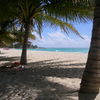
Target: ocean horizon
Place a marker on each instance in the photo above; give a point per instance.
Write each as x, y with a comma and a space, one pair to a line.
81, 50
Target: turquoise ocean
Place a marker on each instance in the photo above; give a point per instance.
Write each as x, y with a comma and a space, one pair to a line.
82, 50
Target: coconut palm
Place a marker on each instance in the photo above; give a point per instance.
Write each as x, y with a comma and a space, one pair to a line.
90, 84
9, 33
6, 35
32, 13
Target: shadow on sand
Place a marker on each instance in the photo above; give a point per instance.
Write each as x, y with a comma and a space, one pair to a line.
3, 58
32, 84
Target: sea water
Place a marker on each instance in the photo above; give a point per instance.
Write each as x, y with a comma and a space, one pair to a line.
82, 50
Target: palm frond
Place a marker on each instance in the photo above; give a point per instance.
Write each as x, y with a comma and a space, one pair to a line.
32, 36
38, 24
74, 10
63, 25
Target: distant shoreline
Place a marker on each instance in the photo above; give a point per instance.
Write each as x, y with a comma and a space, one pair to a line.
79, 50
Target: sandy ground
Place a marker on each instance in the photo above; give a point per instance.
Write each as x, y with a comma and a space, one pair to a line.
52, 76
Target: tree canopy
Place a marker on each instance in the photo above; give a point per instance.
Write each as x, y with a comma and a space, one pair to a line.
57, 12
29, 15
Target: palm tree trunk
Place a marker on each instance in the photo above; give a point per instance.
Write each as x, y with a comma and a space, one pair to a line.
23, 60
90, 85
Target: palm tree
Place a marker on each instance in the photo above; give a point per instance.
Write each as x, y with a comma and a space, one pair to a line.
43, 10
9, 33
32, 13
6, 36
90, 85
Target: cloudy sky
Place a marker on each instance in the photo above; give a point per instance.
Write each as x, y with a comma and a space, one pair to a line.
56, 38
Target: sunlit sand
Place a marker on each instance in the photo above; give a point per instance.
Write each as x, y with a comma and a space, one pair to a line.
51, 75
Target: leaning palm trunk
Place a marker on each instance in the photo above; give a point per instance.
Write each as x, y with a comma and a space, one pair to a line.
90, 84
23, 60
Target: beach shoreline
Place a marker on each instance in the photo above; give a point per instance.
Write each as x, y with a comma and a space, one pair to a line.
69, 50
45, 55
61, 72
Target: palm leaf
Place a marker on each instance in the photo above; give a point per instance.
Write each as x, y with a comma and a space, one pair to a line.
74, 10
63, 25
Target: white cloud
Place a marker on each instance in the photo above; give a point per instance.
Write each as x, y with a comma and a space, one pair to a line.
60, 40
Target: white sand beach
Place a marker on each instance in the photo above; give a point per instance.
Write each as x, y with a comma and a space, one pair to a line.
54, 76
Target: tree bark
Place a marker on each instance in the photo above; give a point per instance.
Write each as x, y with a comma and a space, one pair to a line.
23, 59
90, 84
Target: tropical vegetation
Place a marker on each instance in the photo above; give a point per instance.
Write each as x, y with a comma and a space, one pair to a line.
29, 15
10, 34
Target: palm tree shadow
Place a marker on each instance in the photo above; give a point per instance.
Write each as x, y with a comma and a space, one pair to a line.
4, 58
58, 69
8, 60
32, 84
1, 53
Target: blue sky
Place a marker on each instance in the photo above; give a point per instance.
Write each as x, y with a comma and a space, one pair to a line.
56, 38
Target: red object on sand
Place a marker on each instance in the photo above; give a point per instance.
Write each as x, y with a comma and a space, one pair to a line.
16, 64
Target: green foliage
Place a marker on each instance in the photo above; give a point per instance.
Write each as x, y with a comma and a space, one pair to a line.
53, 11
9, 33
17, 13
31, 14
